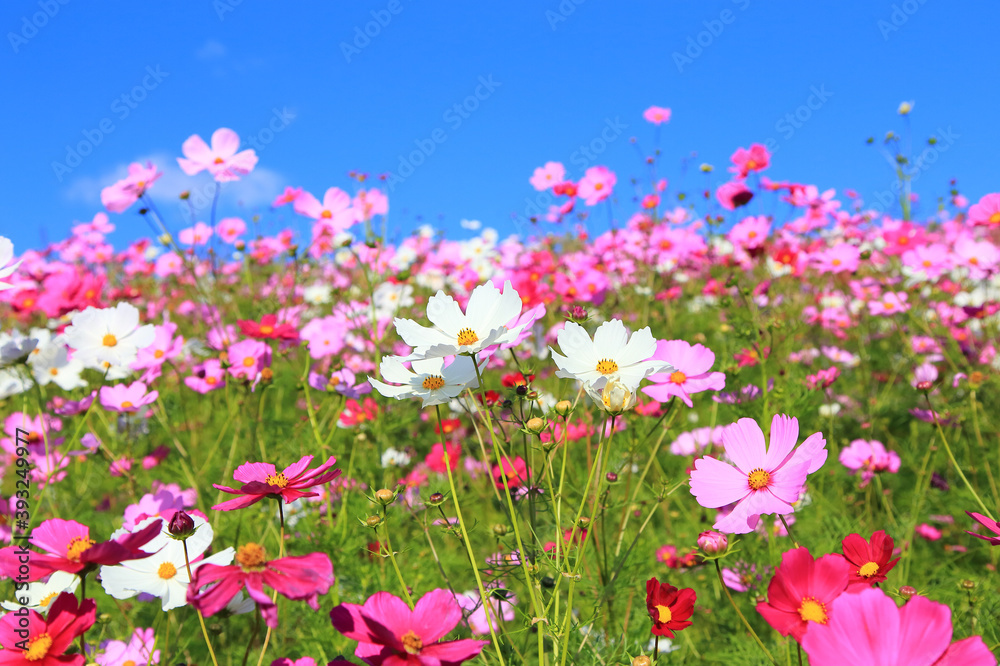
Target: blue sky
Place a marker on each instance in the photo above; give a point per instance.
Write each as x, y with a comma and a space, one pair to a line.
556, 76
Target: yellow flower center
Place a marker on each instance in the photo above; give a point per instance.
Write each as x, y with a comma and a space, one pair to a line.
664, 614
598, 187
751, 165
467, 337
758, 479
76, 548
812, 610
54, 371
835, 262
887, 305
326, 215
995, 218
109, 340
166, 571
412, 643
433, 382
927, 263
251, 557
974, 261
129, 663
211, 380
47, 599
868, 569
752, 234
248, 361
127, 405
606, 366
219, 160
279, 480
267, 330
158, 353
678, 377
38, 647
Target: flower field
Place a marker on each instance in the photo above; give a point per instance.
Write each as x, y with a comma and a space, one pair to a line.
757, 423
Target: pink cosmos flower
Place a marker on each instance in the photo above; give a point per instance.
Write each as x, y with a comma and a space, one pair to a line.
981, 258
137, 652
118, 197
68, 547
924, 375
165, 347
929, 261
763, 480
46, 638
919, 633
208, 376
691, 372
596, 185
304, 577
335, 212
870, 457
548, 176
986, 213
196, 235
121, 398
370, 203
247, 358
823, 378
800, 594
261, 480
230, 229
288, 196
221, 160
840, 258
989, 524
750, 233
733, 194
657, 115
389, 633
928, 532
755, 159
889, 303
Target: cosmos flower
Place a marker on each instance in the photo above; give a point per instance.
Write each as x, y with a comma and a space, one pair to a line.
137, 652
221, 160
121, 398
430, 379
611, 355
262, 480
268, 328
122, 194
389, 633
870, 560
668, 607
691, 365
656, 115
48, 637
802, 590
762, 480
919, 633
547, 176
989, 524
111, 335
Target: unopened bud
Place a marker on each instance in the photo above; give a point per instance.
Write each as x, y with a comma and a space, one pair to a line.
500, 530
611, 477
535, 425
642, 660
373, 521
266, 374
185, 195
968, 584
385, 496
712, 543
583, 523
924, 386
564, 407
181, 526
436, 499
907, 591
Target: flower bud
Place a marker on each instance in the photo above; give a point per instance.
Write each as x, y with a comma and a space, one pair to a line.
385, 496
583, 523
535, 425
617, 397
181, 526
185, 195
563, 408
924, 386
436, 499
611, 477
712, 543
907, 591
500, 530
373, 521
642, 660
968, 585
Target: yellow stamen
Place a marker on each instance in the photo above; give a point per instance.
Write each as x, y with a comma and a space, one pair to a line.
279, 480
166, 571
248, 361
76, 548
127, 405
758, 479
467, 337
47, 599
109, 340
251, 557
38, 647
812, 610
664, 614
678, 377
606, 366
868, 569
433, 382
267, 330
412, 643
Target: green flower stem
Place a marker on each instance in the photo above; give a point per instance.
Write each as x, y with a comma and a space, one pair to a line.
718, 570
951, 457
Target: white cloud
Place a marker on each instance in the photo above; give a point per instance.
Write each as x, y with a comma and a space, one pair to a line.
254, 190
211, 50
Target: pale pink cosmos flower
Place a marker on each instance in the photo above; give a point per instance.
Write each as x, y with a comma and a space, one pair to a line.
656, 115
928, 532
164, 348
288, 196
596, 185
986, 213
929, 261
868, 628
889, 303
762, 480
547, 176
980, 258
750, 233
122, 398
335, 212
196, 235
247, 358
841, 258
208, 376
924, 375
119, 196
230, 229
221, 160
691, 374
370, 203
733, 194
756, 158
168, 263
870, 458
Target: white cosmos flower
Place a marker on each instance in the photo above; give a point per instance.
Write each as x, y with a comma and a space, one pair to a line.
12, 382
111, 335
483, 324
6, 254
429, 379
611, 355
163, 574
56, 367
40, 594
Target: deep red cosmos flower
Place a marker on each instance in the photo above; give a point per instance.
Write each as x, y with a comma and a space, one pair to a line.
870, 561
802, 591
262, 480
268, 328
68, 547
303, 577
48, 637
668, 607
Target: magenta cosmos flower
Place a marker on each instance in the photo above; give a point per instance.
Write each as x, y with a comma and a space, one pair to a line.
986, 213
262, 480
868, 628
656, 115
988, 523
221, 160
733, 194
762, 480
122, 398
46, 638
303, 577
118, 197
691, 374
389, 633
68, 547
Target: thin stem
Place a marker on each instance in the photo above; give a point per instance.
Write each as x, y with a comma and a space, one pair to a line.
201, 618
951, 457
718, 570
789, 531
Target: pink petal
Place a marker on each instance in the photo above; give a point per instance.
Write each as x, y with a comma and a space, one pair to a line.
744, 442
715, 484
